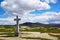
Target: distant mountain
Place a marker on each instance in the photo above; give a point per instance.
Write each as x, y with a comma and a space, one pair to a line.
31, 24
35, 24
54, 24
39, 24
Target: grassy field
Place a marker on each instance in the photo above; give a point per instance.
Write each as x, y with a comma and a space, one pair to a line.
42, 29
31, 29
9, 31
35, 38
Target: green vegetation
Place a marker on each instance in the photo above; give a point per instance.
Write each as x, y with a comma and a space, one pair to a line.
42, 29
55, 36
1, 39
6, 30
9, 30
35, 38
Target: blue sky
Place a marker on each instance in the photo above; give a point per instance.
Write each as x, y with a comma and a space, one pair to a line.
55, 8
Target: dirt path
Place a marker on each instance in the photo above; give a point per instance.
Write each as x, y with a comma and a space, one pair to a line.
10, 38
38, 34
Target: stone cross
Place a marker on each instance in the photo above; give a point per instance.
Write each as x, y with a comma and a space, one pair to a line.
17, 26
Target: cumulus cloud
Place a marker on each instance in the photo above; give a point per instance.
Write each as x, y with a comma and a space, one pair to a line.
55, 19
45, 18
19, 7
24, 7
7, 21
50, 1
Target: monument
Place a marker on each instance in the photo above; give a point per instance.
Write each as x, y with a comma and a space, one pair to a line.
17, 26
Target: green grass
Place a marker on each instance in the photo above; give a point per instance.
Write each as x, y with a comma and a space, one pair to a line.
13, 29
33, 30
8, 34
7, 31
35, 38
43, 31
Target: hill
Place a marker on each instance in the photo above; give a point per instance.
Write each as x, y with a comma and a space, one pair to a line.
39, 24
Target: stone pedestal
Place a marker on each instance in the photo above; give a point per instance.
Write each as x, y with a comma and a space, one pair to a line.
16, 34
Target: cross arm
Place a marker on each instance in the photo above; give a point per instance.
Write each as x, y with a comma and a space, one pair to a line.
17, 19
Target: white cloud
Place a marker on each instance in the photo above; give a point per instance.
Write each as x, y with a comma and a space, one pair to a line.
6, 21
55, 19
46, 18
21, 6
50, 1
